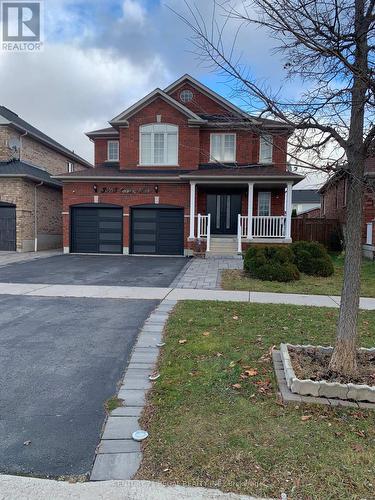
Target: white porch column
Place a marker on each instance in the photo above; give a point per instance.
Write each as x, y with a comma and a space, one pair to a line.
250, 198
192, 209
288, 226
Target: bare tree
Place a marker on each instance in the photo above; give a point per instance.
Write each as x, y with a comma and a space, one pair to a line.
330, 46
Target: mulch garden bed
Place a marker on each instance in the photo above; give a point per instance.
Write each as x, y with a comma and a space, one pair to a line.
311, 363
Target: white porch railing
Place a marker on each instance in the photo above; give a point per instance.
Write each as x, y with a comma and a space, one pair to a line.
204, 229
242, 230
369, 233
261, 227
269, 227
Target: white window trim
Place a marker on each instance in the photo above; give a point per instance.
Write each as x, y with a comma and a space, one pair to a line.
118, 150
70, 167
215, 160
165, 164
261, 138
269, 203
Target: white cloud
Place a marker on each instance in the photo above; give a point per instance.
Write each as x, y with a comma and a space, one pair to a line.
66, 90
134, 11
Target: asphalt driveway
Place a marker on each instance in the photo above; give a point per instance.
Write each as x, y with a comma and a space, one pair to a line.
61, 358
116, 270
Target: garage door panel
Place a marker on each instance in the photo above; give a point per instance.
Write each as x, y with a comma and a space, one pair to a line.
7, 228
97, 230
158, 231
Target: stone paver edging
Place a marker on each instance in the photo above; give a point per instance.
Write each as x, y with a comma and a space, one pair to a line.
290, 397
322, 388
118, 455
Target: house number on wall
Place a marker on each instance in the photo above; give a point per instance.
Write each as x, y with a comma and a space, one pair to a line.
125, 190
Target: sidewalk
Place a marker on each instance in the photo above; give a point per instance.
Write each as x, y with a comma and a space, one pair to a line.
25, 488
13, 257
149, 293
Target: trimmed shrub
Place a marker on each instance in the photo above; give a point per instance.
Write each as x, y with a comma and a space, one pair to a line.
312, 258
271, 263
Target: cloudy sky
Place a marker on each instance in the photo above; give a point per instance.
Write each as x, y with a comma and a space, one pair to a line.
100, 56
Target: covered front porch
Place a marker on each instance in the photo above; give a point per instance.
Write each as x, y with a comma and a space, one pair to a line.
256, 211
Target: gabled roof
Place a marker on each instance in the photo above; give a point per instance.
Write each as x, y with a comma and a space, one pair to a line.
103, 132
205, 90
17, 168
223, 102
9, 118
121, 119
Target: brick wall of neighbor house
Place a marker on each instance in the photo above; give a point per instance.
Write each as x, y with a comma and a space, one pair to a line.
176, 194
44, 157
6, 136
334, 207
21, 193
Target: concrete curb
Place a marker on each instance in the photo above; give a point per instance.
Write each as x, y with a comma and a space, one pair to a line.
118, 455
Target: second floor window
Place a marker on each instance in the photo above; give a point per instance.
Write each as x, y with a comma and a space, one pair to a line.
265, 148
113, 151
223, 147
158, 144
70, 167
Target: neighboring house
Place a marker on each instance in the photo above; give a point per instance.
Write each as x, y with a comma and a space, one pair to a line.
334, 197
169, 163
305, 200
30, 199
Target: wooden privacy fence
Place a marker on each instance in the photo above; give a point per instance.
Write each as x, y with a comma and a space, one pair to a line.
326, 231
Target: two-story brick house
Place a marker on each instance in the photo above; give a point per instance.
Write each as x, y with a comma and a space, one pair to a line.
30, 199
181, 165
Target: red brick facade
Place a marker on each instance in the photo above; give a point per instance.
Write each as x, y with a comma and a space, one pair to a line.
334, 201
193, 152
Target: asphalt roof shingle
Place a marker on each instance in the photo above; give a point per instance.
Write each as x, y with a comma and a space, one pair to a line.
17, 168
17, 121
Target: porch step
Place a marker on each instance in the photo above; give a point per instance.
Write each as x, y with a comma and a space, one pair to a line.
225, 246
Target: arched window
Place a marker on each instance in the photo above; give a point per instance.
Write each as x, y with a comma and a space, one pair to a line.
158, 144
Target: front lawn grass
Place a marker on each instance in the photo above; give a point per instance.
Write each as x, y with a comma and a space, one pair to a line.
238, 280
207, 431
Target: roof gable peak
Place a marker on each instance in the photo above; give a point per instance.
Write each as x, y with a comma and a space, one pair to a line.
123, 117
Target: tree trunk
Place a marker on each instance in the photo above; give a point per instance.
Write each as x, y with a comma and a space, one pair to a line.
344, 358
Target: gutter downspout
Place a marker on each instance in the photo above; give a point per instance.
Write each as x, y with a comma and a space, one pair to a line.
36, 216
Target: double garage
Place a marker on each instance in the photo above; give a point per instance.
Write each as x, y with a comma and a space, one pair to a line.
153, 229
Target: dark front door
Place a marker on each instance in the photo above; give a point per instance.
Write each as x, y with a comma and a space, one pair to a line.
224, 209
96, 230
7, 227
158, 231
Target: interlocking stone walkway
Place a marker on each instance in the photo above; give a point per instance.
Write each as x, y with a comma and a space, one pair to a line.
205, 273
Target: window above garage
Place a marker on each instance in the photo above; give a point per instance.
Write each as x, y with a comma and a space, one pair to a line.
113, 151
158, 144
